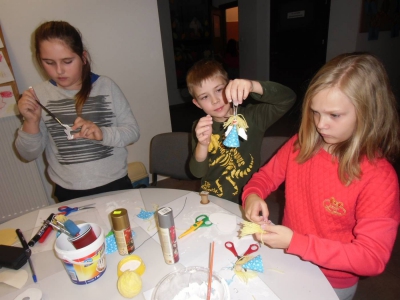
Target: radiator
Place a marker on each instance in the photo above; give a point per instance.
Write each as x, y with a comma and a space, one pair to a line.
21, 186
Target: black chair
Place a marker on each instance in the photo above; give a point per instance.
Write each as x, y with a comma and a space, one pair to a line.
169, 156
276, 200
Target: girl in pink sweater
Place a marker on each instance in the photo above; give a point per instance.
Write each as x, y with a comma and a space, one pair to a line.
342, 206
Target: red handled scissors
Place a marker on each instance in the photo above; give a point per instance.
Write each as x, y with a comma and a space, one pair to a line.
231, 247
66, 210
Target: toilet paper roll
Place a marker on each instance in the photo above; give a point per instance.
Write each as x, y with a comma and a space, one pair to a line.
132, 263
31, 294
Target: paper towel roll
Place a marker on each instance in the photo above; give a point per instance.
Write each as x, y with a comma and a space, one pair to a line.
31, 294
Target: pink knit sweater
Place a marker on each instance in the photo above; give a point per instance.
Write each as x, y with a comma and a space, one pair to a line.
348, 231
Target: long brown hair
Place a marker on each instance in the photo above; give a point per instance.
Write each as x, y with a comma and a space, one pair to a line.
363, 79
65, 32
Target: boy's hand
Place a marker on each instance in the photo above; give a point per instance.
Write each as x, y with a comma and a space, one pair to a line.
204, 130
277, 236
89, 130
238, 90
256, 209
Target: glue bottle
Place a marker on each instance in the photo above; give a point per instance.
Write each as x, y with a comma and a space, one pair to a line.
168, 235
122, 231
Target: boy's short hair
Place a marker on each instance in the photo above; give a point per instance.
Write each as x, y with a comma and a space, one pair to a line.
203, 70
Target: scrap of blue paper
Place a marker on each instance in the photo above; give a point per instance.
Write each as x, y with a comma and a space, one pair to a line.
111, 243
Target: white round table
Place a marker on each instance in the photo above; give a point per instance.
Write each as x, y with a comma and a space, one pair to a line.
287, 276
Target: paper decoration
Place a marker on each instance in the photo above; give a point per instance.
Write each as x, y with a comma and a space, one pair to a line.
232, 139
5, 72
111, 243
145, 214
8, 104
255, 264
8, 236
236, 126
15, 278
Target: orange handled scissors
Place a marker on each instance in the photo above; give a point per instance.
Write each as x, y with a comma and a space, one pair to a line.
201, 221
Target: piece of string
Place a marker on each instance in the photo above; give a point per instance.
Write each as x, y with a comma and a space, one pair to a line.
249, 228
184, 204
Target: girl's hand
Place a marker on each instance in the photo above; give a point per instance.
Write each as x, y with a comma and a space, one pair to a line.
204, 130
238, 90
29, 108
256, 209
277, 236
31, 111
89, 130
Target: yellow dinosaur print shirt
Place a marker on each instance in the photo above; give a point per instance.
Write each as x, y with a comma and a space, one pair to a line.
227, 170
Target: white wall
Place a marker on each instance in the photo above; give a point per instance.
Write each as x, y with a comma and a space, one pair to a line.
123, 38
174, 95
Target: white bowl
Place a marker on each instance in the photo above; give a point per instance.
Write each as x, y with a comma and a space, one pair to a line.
190, 283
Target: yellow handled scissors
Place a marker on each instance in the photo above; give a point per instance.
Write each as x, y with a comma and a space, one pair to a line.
201, 221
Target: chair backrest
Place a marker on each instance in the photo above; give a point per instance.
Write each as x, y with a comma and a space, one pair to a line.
270, 145
170, 155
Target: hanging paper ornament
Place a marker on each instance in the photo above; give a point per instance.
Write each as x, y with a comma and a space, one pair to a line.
236, 126
255, 264
232, 139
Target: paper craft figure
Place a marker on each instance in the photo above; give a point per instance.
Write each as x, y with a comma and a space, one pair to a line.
241, 272
237, 126
255, 264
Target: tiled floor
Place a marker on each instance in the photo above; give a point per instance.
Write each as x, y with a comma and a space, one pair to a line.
383, 287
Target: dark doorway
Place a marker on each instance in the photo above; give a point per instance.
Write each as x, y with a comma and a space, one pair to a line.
226, 48
299, 32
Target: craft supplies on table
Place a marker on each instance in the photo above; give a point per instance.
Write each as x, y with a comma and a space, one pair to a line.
231, 247
28, 253
167, 232
279, 270
190, 283
66, 210
41, 231
122, 231
76, 260
131, 263
200, 221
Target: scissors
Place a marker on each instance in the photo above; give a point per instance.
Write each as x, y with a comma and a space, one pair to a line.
66, 210
231, 247
201, 221
67, 129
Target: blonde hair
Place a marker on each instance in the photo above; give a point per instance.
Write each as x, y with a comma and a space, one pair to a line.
363, 79
202, 71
